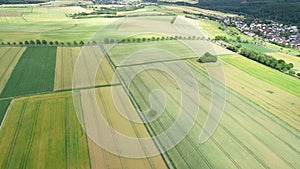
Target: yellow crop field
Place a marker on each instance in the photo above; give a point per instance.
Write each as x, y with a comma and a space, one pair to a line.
103, 159
66, 60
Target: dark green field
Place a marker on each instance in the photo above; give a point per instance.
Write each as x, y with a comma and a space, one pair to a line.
3, 107
34, 72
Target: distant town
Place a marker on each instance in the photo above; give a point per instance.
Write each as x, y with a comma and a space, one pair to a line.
280, 34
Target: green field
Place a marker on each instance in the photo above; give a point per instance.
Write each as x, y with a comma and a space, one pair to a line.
34, 73
271, 76
254, 47
3, 107
43, 132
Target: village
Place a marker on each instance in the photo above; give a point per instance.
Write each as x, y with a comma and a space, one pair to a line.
280, 34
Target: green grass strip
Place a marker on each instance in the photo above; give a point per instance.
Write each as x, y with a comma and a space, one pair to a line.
34, 73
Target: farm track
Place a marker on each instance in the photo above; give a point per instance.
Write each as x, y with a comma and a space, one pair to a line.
249, 130
148, 127
7, 160
98, 61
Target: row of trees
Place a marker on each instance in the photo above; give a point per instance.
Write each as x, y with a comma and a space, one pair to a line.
270, 61
45, 42
144, 39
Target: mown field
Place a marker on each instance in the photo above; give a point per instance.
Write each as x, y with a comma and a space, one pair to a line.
43, 132
101, 158
9, 57
247, 136
34, 73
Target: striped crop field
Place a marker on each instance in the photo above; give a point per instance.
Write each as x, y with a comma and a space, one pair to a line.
9, 57
66, 59
247, 136
269, 97
101, 158
34, 73
43, 132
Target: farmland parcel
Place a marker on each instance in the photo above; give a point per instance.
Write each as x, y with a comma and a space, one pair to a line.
34, 72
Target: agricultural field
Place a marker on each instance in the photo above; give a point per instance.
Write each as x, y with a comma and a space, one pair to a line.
57, 100
34, 73
101, 158
254, 47
211, 28
9, 57
234, 142
66, 59
47, 23
273, 77
125, 54
43, 132
269, 97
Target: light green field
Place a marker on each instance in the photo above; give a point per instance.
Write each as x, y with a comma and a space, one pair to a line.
210, 28
9, 57
43, 132
261, 93
288, 58
247, 136
264, 73
254, 47
145, 52
47, 23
